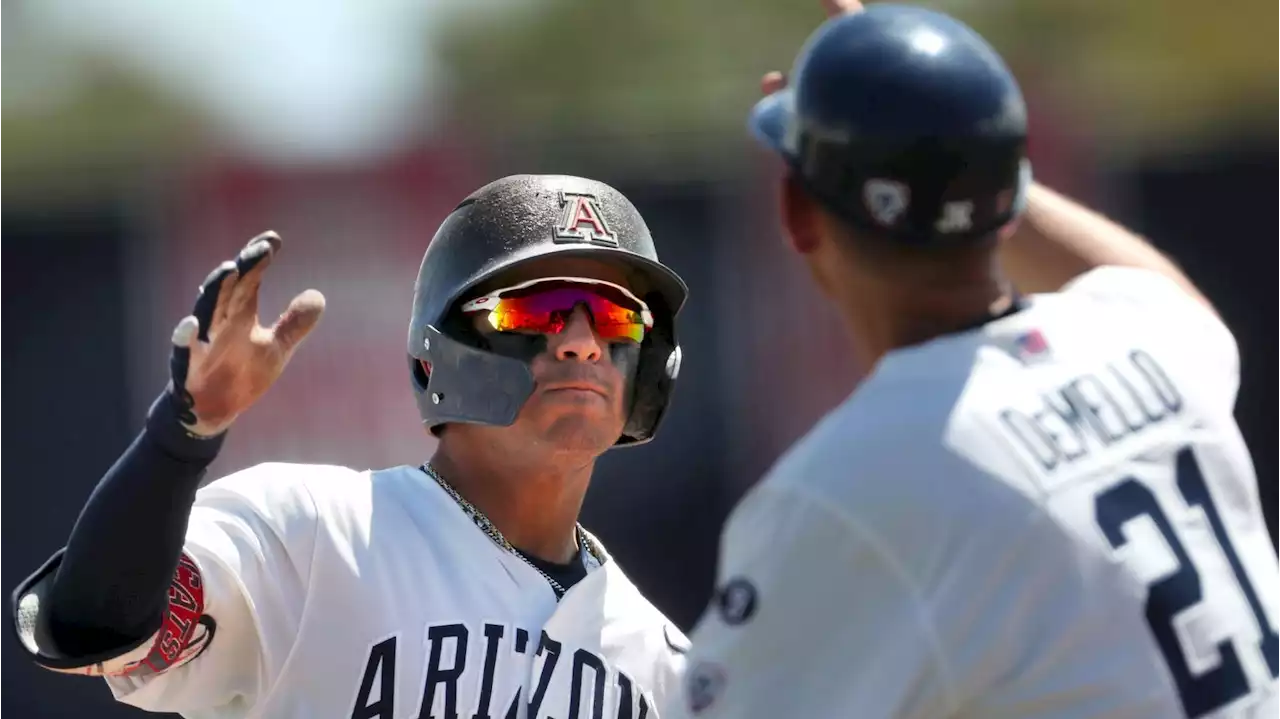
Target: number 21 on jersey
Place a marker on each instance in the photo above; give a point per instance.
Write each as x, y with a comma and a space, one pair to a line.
1202, 689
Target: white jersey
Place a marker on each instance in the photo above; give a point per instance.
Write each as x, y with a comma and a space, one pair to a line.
339, 593
1053, 515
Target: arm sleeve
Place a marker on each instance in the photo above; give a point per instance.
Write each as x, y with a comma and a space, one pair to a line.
107, 593
1195, 329
811, 618
234, 603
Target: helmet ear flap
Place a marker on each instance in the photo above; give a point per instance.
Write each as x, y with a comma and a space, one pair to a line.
421, 371
420, 376
655, 377
468, 385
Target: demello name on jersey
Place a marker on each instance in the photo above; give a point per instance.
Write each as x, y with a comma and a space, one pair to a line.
464, 660
1094, 410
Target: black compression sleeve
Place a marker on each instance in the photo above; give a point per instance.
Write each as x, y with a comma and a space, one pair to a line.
112, 585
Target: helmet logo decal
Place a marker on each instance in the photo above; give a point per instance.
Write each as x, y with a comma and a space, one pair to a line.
956, 217
582, 221
886, 200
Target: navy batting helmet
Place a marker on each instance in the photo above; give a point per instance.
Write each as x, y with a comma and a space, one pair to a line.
507, 224
905, 123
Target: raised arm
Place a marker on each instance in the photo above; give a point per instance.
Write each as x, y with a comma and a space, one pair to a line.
122, 598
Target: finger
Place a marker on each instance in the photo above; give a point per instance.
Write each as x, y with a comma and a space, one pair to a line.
772, 82
836, 8
254, 252
251, 263
184, 339
185, 333
297, 321
212, 298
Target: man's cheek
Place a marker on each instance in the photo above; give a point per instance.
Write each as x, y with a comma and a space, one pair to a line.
625, 357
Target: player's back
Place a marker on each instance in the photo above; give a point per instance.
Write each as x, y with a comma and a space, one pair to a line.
1112, 405
1064, 496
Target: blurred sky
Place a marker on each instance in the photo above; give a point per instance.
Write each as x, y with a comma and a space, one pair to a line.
289, 79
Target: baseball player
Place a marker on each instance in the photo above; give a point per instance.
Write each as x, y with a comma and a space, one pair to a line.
542, 335
1037, 502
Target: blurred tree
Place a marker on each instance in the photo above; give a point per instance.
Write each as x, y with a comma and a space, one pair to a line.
72, 123
598, 70
1150, 68
1155, 70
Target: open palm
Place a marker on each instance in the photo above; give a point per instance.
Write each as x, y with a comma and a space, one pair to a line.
224, 360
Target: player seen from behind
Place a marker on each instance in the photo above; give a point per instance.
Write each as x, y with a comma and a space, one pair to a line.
1036, 503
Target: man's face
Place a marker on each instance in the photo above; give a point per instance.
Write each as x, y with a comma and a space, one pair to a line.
581, 378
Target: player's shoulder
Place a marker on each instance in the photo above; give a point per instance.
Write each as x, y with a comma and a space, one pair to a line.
639, 624
294, 499
1119, 283
893, 422
274, 482
281, 492
632, 606
1113, 314
1148, 301
886, 462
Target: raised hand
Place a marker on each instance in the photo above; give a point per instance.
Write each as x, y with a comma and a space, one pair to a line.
775, 81
223, 360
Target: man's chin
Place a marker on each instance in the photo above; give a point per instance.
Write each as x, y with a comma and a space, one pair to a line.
582, 432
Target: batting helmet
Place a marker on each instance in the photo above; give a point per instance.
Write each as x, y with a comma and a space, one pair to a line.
507, 224
905, 123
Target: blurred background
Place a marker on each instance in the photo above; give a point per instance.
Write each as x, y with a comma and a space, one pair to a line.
144, 142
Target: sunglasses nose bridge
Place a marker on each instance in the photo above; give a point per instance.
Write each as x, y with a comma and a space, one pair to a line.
577, 337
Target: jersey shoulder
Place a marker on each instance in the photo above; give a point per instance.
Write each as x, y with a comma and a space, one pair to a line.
885, 464
1131, 285
656, 647
628, 610
337, 502
628, 607
278, 491
895, 423
1149, 307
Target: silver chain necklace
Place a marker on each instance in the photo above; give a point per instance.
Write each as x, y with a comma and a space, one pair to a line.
589, 553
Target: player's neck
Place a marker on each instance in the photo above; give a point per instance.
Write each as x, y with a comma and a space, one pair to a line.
902, 318
534, 504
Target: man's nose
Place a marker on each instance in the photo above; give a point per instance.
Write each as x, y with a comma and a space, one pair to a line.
578, 340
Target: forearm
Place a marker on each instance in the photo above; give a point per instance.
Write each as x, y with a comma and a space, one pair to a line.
112, 584
1060, 239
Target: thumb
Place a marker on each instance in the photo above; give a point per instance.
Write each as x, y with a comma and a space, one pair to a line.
297, 321
836, 8
772, 82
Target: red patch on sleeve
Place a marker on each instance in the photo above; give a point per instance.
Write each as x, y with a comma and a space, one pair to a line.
177, 641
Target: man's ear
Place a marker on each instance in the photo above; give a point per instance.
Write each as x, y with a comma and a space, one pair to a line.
799, 216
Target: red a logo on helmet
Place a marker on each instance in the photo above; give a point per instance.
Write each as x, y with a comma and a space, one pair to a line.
582, 221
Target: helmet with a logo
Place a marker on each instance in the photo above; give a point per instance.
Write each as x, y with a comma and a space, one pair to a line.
499, 228
905, 123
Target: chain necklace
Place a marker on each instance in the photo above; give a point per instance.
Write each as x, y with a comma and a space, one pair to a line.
590, 554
